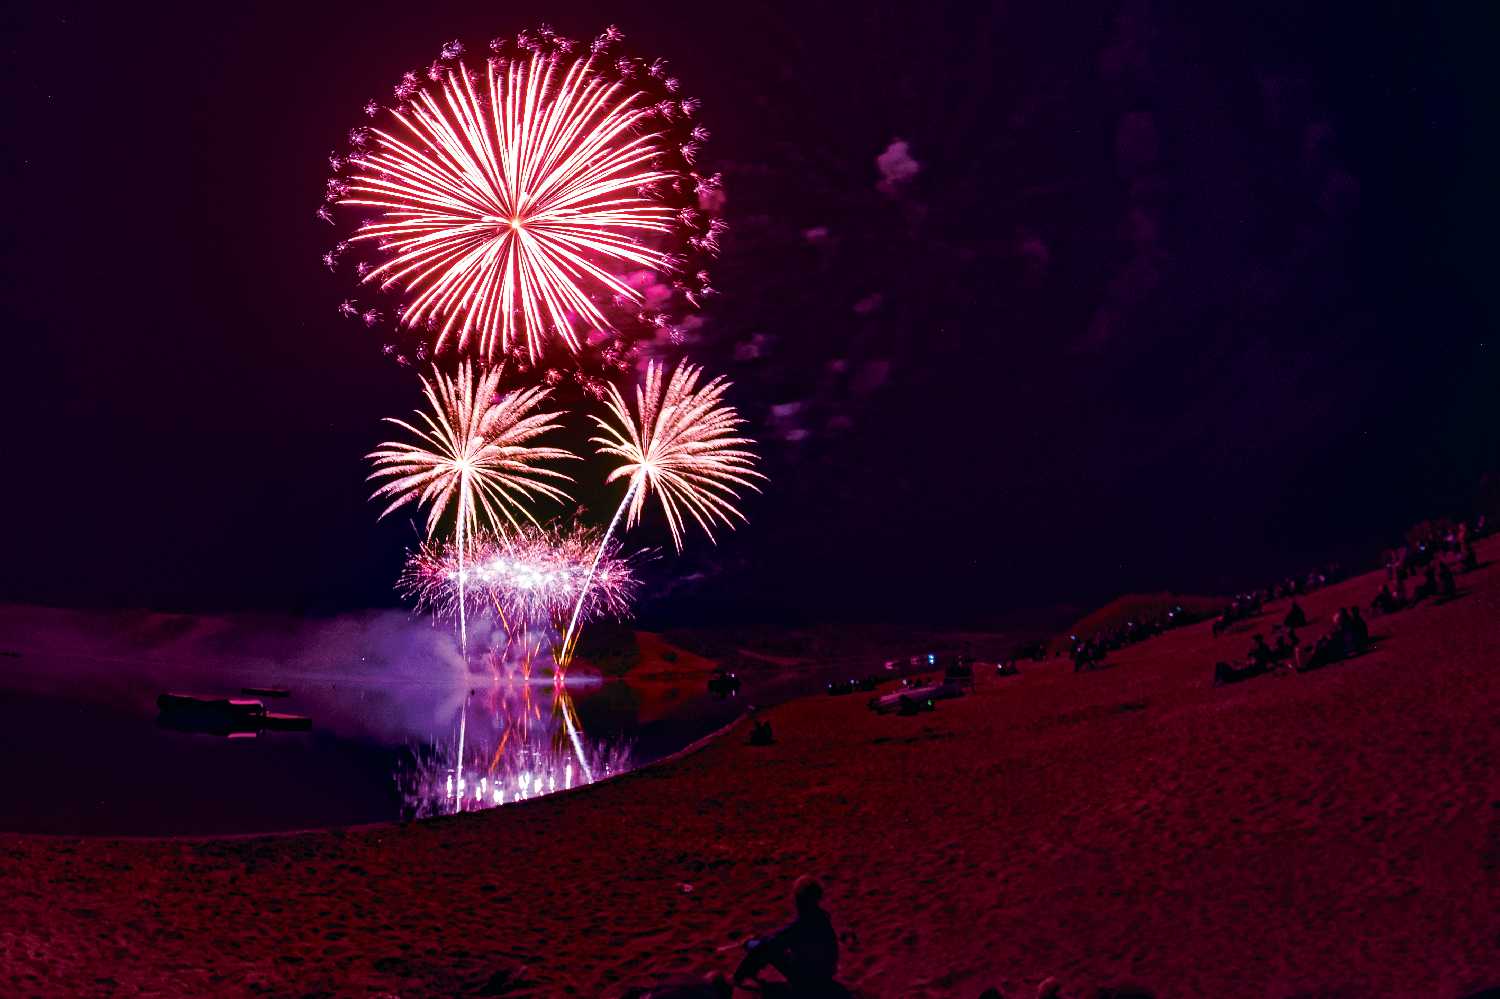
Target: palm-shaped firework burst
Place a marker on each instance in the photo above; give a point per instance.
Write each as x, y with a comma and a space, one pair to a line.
682, 443
474, 450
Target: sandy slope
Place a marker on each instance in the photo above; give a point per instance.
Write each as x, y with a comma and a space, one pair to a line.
1332, 833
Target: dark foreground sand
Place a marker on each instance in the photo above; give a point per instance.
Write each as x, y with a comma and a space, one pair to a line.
1330, 834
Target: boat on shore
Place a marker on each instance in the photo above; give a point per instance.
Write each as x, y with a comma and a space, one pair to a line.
232, 707
232, 716
278, 722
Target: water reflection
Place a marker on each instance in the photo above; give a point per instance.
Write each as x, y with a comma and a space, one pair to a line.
516, 737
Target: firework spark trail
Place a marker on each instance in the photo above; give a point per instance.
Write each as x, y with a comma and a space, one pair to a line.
501, 203
566, 705
531, 577
474, 451
682, 443
566, 655
512, 757
463, 728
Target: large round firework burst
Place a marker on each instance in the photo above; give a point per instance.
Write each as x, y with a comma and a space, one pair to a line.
541, 203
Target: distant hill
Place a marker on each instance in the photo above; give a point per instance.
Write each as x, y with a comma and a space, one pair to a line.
1138, 607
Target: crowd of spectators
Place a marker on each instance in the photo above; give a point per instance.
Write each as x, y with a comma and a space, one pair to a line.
1089, 652
1247, 605
1425, 568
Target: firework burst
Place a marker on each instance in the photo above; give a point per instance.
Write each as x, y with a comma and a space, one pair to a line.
681, 443
527, 577
530, 201
474, 451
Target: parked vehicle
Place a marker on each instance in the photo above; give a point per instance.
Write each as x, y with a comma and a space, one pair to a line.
723, 683
913, 699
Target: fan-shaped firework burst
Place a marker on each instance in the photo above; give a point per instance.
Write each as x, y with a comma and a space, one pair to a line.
473, 450
681, 443
531, 576
545, 197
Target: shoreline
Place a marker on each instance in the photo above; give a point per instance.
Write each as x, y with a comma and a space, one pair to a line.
697, 745
1279, 836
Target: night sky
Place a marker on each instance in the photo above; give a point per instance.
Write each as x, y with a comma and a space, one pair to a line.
1027, 303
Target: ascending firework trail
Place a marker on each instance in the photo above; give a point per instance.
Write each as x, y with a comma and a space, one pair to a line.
682, 443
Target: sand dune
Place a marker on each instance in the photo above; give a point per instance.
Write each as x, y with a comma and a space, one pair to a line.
1329, 834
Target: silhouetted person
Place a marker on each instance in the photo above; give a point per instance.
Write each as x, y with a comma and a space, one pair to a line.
1428, 587
1468, 560
1447, 588
1329, 648
1360, 629
760, 733
1261, 655
1296, 617
1385, 601
806, 951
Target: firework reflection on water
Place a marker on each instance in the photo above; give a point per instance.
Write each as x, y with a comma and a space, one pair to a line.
521, 739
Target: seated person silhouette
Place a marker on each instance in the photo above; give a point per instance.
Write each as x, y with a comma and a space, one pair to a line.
805, 951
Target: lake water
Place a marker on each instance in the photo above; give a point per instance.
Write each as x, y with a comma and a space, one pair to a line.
82, 750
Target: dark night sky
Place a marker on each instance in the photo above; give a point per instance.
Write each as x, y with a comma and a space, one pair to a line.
1176, 296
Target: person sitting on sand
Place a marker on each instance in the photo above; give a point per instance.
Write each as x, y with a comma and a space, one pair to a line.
1385, 601
1296, 617
1314, 654
1261, 655
1347, 633
1340, 635
1360, 629
760, 733
1447, 588
1428, 587
806, 951
1327, 649
1468, 560
1350, 632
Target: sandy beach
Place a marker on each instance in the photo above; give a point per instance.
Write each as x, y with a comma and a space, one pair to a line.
1331, 833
